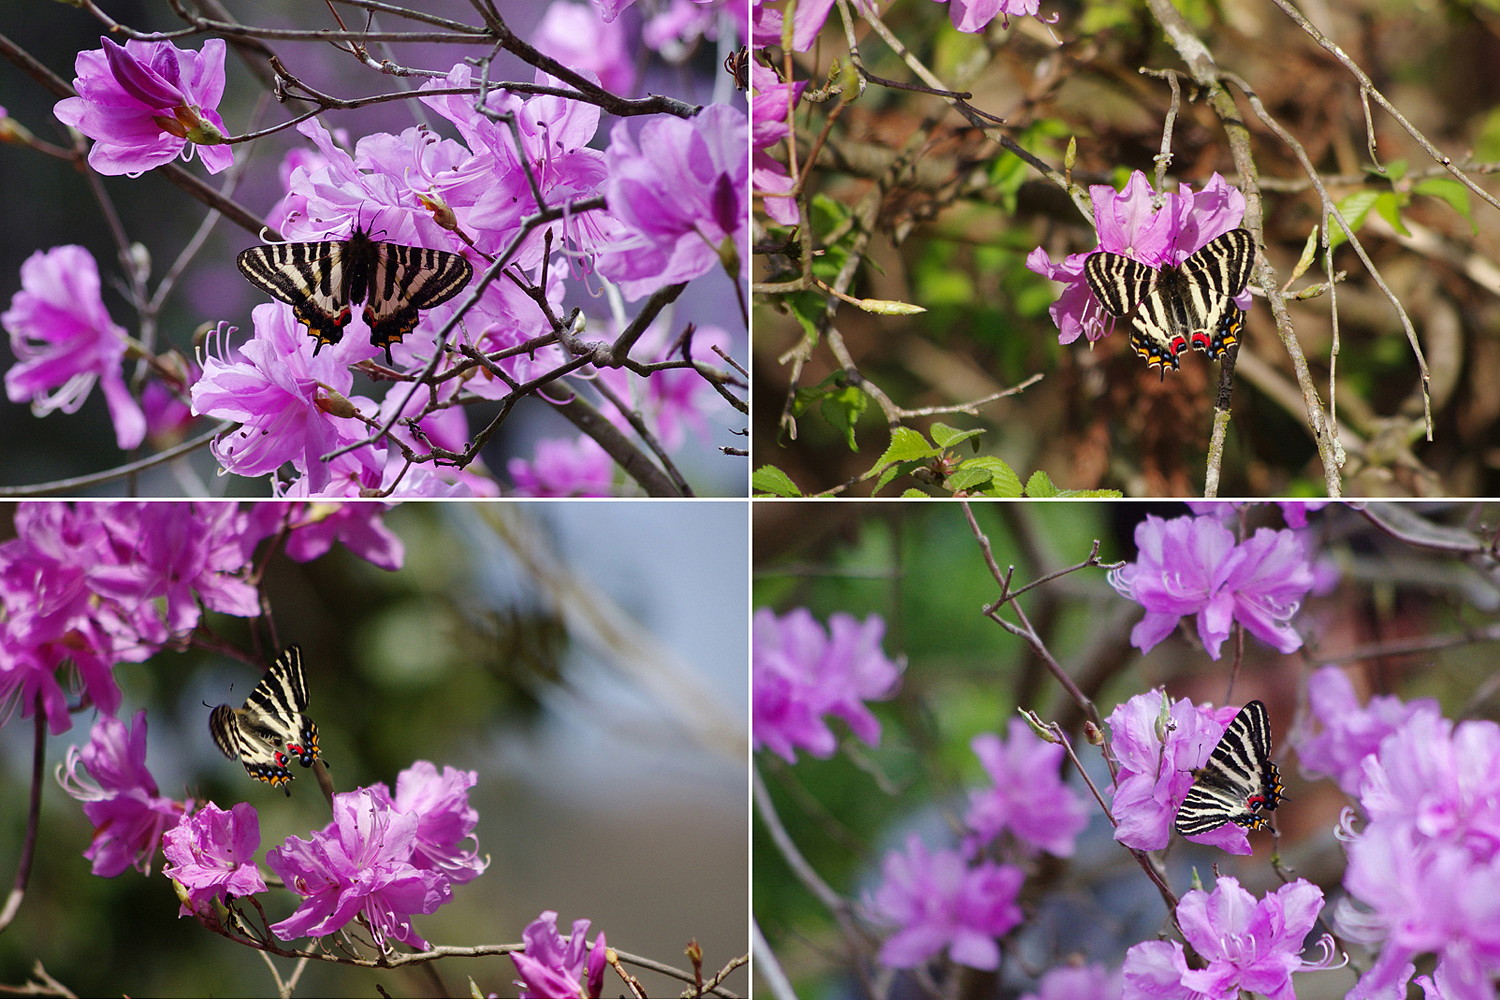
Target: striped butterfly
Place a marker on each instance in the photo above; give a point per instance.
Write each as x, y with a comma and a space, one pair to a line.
324, 281
1237, 782
272, 729
1172, 307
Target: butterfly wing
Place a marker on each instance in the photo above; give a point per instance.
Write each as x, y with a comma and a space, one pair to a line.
310, 277
1213, 276
405, 280
273, 728
1129, 289
1238, 781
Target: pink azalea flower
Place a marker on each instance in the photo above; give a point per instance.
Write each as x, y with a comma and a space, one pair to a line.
211, 853
1028, 797
1156, 764
938, 901
1248, 944
359, 526
581, 39
558, 967
1422, 875
801, 672
445, 820
279, 394
576, 468
975, 15
65, 342
119, 796
1192, 566
173, 560
146, 103
361, 863
678, 187
1083, 982
1128, 223
807, 21
1349, 734
769, 108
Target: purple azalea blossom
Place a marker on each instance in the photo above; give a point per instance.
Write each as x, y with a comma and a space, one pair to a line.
278, 393
558, 967
1156, 763
444, 818
54, 616
941, 901
678, 187
119, 796
1248, 944
1192, 565
678, 24
65, 342
211, 853
672, 400
172, 561
807, 20
1028, 797
974, 15
1422, 876
576, 468
1293, 512
1082, 982
1129, 224
581, 39
360, 527
610, 9
1349, 734
771, 105
146, 103
802, 672
361, 863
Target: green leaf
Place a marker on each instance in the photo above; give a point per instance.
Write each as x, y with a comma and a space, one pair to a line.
912, 493
907, 446
1002, 478
948, 437
768, 479
1354, 207
1451, 191
1039, 486
892, 471
1388, 207
842, 408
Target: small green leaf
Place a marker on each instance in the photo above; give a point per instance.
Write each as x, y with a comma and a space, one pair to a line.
912, 493
1003, 479
1388, 207
1039, 486
1451, 191
907, 446
1309, 254
888, 307
1354, 207
842, 407
970, 476
951, 436
770, 480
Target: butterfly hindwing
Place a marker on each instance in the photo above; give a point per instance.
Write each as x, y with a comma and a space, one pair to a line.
324, 281
273, 728
1171, 307
1238, 781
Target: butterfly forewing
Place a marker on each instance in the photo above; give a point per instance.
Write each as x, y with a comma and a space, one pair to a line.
1238, 781
272, 729
1171, 307
324, 281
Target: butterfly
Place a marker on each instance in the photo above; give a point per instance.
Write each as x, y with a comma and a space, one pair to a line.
1174, 306
272, 729
1238, 782
324, 281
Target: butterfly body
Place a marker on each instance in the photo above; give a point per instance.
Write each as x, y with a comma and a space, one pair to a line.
1238, 783
1176, 306
324, 281
272, 729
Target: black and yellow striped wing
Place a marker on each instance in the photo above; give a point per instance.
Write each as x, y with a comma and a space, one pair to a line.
322, 282
272, 729
1238, 782
1171, 308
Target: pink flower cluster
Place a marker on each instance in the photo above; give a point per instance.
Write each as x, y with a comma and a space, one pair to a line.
83, 587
